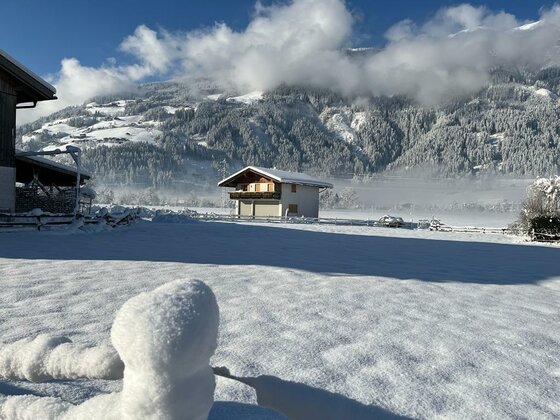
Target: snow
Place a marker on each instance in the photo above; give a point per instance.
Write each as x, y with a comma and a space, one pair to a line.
248, 98
281, 176
115, 122
479, 219
214, 97
62, 146
529, 26
546, 94
339, 121
547, 191
112, 109
112, 129
418, 323
497, 138
360, 118
133, 134
302, 402
171, 109
361, 49
236, 411
344, 123
165, 339
468, 31
57, 127
45, 358
106, 110
44, 161
30, 407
